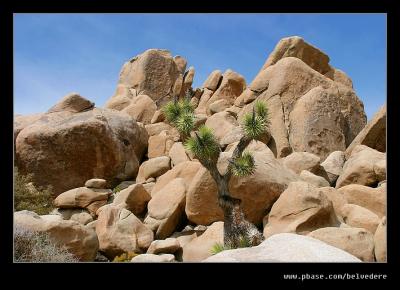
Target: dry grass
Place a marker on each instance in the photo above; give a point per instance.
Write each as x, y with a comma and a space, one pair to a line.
30, 246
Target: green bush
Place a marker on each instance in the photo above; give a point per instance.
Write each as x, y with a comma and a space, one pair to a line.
30, 246
125, 257
27, 197
218, 247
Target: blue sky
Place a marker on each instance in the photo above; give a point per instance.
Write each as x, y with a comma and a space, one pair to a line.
55, 54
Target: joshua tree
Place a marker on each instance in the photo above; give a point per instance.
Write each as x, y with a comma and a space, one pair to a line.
203, 144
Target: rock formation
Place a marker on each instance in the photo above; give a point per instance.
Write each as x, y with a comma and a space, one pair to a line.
124, 183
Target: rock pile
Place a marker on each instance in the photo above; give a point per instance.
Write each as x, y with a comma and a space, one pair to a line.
124, 183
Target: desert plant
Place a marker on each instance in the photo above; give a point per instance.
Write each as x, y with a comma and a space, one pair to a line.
32, 246
219, 247
203, 144
244, 242
28, 197
125, 257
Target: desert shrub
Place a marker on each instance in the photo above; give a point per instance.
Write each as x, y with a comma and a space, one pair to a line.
27, 197
244, 242
125, 257
219, 247
31, 246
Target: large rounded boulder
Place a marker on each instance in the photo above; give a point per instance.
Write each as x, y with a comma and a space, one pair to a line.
65, 149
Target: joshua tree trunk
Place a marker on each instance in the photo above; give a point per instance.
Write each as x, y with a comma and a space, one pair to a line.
237, 230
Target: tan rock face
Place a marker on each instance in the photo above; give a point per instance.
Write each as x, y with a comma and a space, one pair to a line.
248, 96
159, 145
83, 197
221, 124
341, 77
288, 80
373, 134
360, 217
337, 198
356, 241
317, 124
177, 153
201, 200
380, 241
157, 117
185, 170
73, 103
98, 143
157, 128
200, 248
77, 238
301, 208
187, 81
296, 47
149, 186
373, 199
257, 191
181, 63
22, 121
120, 231
232, 85
313, 179
333, 165
167, 246
153, 73
213, 80
96, 183
279, 142
121, 99
81, 216
194, 101
359, 168
204, 101
380, 170
299, 161
178, 86
134, 198
166, 208
153, 167
141, 109
218, 106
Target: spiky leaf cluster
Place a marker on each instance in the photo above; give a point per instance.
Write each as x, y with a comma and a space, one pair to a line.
203, 145
261, 110
243, 165
185, 123
255, 123
180, 115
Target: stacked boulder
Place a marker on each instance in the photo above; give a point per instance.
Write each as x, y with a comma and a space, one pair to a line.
74, 142
148, 81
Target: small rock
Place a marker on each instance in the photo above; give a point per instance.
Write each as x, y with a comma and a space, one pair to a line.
167, 246
151, 258
96, 183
